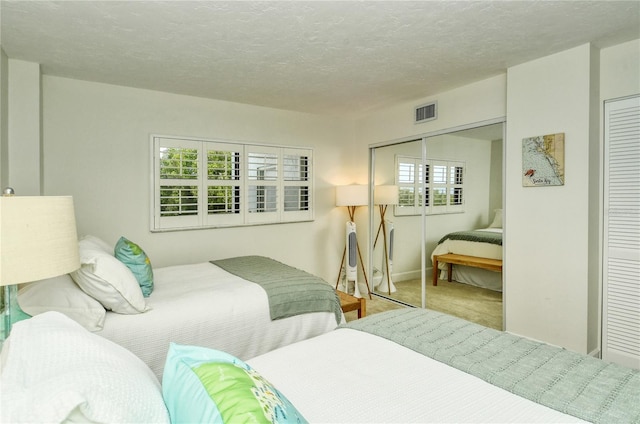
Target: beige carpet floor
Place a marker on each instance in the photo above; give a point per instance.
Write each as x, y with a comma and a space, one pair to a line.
472, 303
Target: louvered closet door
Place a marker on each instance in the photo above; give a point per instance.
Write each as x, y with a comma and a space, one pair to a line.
621, 262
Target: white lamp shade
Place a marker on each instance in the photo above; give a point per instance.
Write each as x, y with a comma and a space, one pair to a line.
38, 238
352, 195
386, 195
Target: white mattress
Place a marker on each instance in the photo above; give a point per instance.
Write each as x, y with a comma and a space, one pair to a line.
203, 305
470, 275
351, 376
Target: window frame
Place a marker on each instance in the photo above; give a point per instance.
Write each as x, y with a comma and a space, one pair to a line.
239, 180
415, 183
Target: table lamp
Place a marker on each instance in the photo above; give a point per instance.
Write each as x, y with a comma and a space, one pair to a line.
352, 196
38, 240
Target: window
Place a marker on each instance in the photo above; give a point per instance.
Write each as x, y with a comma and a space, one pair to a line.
440, 188
206, 183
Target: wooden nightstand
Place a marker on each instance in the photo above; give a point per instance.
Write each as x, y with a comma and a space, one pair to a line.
352, 303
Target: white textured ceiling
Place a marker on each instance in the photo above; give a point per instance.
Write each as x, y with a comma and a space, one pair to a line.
338, 58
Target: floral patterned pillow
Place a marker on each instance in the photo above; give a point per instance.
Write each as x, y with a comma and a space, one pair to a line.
207, 385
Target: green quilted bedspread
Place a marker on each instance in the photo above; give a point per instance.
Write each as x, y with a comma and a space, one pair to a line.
572, 383
291, 291
478, 235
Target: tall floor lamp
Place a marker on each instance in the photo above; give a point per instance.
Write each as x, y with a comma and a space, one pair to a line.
352, 196
38, 240
385, 195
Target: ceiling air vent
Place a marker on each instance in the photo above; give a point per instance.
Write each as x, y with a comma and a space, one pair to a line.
426, 112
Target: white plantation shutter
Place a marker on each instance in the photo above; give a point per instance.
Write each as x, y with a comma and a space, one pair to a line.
177, 183
263, 194
209, 183
621, 262
456, 187
296, 184
225, 172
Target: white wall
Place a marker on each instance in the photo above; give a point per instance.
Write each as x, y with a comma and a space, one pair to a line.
594, 273
96, 145
477, 102
4, 119
24, 173
496, 182
620, 70
546, 239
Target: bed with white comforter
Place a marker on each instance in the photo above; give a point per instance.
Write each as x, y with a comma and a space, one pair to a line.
408, 365
204, 305
415, 365
245, 305
482, 243
359, 377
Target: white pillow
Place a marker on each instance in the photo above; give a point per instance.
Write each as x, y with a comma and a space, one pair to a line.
63, 295
56, 371
497, 219
97, 243
108, 280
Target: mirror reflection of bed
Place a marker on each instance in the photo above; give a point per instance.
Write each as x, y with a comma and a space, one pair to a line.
464, 200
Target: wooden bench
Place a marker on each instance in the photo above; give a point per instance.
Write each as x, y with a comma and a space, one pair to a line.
352, 303
451, 258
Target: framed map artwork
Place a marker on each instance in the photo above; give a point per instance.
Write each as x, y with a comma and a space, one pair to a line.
543, 160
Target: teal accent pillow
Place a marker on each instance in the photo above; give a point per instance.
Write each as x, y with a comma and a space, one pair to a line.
201, 385
137, 261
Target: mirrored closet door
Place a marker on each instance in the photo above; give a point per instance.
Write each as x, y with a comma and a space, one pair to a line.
440, 195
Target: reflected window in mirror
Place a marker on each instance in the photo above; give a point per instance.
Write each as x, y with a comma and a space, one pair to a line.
440, 190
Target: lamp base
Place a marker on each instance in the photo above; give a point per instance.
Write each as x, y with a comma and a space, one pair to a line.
11, 312
384, 286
